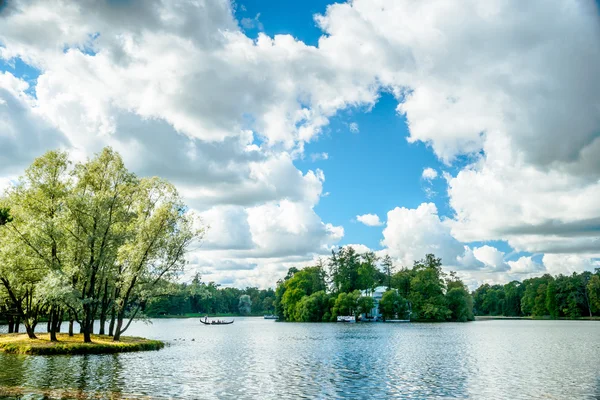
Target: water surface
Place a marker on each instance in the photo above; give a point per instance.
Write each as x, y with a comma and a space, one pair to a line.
256, 358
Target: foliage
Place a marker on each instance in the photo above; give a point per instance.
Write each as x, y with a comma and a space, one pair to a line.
392, 305
90, 240
562, 296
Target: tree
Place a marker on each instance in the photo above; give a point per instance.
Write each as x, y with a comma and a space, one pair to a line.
344, 265
290, 291
35, 243
312, 308
367, 272
593, 288
427, 290
458, 300
346, 304
157, 240
245, 304
551, 303
365, 304
392, 305
388, 269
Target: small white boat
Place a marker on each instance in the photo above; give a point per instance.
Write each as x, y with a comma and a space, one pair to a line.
346, 318
271, 316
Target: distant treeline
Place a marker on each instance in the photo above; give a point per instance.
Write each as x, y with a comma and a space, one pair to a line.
209, 298
563, 296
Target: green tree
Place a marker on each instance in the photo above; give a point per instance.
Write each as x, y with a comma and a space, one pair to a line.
368, 272
593, 288
312, 308
35, 243
346, 304
388, 269
365, 304
551, 303
459, 300
392, 305
344, 265
427, 290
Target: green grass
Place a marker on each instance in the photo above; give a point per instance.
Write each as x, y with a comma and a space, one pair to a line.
19, 343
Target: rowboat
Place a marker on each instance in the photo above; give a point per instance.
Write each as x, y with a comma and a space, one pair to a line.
216, 322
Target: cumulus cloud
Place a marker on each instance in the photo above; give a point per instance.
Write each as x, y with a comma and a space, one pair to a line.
411, 233
354, 127
525, 265
369, 219
429, 174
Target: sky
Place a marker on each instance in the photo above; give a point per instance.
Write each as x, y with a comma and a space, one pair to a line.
466, 129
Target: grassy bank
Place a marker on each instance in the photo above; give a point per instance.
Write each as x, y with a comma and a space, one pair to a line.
19, 343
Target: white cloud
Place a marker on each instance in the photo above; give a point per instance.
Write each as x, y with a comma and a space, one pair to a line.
319, 156
354, 127
359, 248
369, 219
429, 174
491, 257
410, 234
567, 264
525, 265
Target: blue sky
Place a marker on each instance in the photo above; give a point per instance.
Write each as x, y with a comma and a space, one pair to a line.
503, 106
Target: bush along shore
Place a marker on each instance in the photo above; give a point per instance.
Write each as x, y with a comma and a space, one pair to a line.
19, 343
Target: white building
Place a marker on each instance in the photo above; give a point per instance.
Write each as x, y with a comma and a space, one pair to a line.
376, 294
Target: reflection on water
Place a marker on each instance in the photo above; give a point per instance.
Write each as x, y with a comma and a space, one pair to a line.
255, 358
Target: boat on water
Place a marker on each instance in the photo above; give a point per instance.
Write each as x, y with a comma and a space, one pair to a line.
206, 322
397, 320
346, 318
271, 316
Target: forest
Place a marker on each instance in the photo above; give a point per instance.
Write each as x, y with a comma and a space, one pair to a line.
562, 296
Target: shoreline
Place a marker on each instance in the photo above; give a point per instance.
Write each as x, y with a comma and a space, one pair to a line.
19, 343
502, 317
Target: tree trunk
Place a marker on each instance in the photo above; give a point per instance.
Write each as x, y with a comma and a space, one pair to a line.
54, 324
118, 332
30, 331
17, 323
87, 335
71, 327
111, 326
11, 324
49, 323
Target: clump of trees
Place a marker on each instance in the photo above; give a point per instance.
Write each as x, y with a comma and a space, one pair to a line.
322, 293
562, 296
88, 241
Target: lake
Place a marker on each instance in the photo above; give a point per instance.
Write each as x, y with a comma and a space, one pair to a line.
262, 359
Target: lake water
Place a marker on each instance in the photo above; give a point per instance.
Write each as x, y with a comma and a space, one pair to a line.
262, 359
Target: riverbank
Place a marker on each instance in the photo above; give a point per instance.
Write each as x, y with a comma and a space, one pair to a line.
499, 317
19, 343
